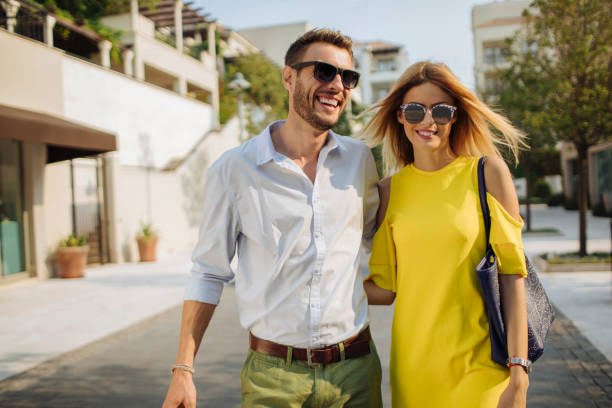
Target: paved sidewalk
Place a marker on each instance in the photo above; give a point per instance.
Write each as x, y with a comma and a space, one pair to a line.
43, 319
131, 368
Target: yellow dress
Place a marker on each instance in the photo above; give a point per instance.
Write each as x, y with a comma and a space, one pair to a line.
426, 249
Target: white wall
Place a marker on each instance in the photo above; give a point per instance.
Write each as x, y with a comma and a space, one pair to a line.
30, 74
274, 41
139, 114
175, 198
57, 207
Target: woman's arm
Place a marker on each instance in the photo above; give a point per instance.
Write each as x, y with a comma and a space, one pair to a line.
377, 295
499, 185
384, 191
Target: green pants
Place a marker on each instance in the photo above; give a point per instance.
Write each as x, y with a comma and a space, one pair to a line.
272, 382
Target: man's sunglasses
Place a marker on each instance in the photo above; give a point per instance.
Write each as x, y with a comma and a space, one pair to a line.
325, 72
415, 113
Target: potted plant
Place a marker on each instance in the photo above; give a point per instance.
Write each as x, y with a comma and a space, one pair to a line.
147, 243
72, 256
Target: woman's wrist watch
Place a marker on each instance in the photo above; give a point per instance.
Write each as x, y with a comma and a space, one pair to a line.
517, 361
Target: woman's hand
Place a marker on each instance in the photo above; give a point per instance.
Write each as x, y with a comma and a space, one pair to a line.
515, 394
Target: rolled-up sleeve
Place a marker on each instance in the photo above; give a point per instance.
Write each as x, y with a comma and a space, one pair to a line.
216, 244
383, 263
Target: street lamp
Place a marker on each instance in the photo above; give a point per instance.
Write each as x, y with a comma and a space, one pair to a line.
239, 84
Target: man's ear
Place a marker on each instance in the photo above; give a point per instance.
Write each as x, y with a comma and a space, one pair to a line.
288, 77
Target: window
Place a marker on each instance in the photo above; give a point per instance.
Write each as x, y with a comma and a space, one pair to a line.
387, 64
494, 52
12, 249
529, 47
492, 83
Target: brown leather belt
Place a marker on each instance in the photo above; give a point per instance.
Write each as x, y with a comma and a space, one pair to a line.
356, 346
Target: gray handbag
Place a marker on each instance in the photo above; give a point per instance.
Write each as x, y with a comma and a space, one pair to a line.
540, 314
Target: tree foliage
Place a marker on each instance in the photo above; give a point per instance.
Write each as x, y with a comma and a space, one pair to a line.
559, 83
266, 95
94, 9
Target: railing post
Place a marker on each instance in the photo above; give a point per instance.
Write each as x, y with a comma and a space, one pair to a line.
128, 62
211, 43
178, 25
105, 47
11, 8
48, 32
180, 85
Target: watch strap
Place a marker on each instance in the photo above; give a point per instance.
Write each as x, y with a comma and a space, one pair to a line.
526, 364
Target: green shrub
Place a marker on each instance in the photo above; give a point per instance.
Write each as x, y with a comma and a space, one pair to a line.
542, 189
73, 241
555, 200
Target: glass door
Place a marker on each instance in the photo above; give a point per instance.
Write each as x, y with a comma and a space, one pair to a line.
12, 254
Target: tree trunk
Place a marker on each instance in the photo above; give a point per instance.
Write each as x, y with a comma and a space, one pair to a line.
528, 188
583, 188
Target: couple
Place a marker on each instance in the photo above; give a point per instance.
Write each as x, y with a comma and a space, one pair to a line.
299, 205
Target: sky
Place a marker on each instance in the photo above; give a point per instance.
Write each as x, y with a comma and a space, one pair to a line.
437, 30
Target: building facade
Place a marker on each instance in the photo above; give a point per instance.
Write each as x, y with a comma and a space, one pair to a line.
492, 24
380, 64
95, 144
274, 41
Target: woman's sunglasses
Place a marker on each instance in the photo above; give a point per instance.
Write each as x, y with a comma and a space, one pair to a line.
325, 72
415, 113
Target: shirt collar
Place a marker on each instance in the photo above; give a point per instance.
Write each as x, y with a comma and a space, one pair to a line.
266, 151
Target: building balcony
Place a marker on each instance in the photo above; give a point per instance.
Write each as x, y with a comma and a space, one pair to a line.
153, 125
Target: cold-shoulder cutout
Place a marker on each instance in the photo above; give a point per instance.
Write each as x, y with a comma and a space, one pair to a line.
500, 185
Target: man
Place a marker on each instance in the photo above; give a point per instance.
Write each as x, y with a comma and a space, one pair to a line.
294, 204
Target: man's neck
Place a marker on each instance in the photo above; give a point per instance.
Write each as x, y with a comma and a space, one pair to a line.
297, 140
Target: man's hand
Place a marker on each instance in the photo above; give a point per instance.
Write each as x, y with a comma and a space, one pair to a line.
182, 391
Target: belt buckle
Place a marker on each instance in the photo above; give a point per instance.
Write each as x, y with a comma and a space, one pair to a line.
309, 358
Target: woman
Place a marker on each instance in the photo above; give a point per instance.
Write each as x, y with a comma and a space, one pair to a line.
431, 237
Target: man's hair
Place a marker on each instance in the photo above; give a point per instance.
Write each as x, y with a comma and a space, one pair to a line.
325, 35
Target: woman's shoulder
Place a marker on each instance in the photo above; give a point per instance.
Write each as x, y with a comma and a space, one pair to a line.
498, 181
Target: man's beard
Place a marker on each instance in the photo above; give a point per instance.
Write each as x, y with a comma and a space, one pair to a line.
306, 111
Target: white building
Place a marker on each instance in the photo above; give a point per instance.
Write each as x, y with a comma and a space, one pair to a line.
97, 145
380, 64
492, 23
274, 41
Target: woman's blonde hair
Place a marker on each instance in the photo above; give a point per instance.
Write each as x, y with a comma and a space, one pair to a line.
477, 129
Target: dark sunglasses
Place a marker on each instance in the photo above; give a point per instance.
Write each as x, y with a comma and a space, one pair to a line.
415, 113
325, 72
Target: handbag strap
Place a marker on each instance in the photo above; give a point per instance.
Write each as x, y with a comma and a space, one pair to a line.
482, 193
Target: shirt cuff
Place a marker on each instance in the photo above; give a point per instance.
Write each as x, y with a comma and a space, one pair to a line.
203, 290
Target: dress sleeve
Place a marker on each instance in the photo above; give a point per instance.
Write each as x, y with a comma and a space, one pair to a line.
383, 269
506, 240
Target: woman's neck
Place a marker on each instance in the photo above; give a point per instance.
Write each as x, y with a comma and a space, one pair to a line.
433, 160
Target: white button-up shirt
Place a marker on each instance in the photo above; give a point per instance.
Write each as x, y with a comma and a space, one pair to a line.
301, 247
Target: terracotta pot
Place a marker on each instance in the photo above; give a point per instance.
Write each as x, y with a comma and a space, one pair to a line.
147, 248
71, 261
